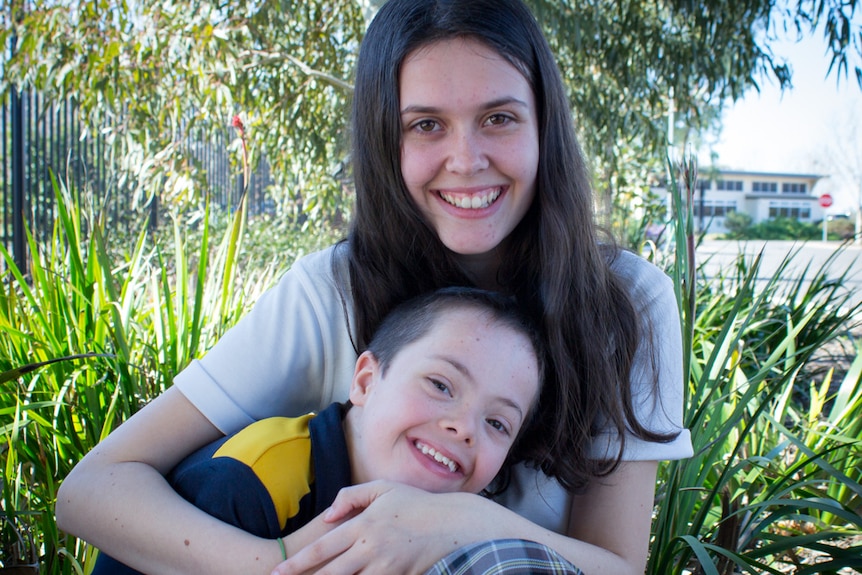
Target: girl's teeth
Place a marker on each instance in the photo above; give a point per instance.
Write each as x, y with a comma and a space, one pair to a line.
472, 202
439, 457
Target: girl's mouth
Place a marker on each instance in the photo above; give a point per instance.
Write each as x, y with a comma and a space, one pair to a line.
472, 201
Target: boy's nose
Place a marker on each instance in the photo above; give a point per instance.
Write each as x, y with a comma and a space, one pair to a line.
463, 428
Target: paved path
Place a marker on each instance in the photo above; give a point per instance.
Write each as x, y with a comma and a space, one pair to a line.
715, 254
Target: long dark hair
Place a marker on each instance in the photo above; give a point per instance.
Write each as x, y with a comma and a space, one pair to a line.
556, 266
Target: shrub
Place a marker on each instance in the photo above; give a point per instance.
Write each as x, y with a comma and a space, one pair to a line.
737, 224
774, 480
775, 229
840, 229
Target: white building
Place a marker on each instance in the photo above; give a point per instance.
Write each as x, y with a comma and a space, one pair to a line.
761, 195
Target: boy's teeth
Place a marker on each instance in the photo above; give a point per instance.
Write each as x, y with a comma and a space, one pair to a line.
439, 457
472, 202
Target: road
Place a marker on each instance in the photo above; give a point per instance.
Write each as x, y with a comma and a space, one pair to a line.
716, 254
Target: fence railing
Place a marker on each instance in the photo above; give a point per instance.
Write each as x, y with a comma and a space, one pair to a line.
38, 137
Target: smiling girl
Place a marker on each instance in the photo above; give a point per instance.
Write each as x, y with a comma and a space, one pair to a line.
467, 172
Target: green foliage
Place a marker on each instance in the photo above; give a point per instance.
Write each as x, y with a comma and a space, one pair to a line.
737, 224
155, 76
772, 229
628, 64
90, 337
17, 548
628, 204
739, 227
775, 475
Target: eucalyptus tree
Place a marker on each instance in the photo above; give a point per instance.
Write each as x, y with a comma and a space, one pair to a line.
155, 74
632, 65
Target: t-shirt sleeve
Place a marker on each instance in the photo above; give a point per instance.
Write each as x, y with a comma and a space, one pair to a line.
291, 354
656, 379
277, 450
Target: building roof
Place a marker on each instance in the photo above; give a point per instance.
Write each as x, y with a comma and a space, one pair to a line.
725, 172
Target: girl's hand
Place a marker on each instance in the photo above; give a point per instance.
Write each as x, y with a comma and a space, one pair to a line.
351, 501
390, 528
395, 529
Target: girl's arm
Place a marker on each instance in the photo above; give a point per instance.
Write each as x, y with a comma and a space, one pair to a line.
615, 516
118, 500
405, 530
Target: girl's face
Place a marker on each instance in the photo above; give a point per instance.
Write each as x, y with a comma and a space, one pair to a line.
470, 142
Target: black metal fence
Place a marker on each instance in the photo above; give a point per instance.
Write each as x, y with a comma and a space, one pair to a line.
40, 137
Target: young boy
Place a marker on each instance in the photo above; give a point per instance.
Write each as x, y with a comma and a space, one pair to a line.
437, 401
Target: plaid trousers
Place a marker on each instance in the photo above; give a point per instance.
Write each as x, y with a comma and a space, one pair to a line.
504, 557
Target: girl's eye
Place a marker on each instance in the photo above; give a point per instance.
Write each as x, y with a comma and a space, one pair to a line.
498, 425
498, 119
425, 125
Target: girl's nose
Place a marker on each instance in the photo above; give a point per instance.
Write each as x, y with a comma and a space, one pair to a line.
466, 154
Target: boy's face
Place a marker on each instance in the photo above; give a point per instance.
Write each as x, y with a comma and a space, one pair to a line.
448, 408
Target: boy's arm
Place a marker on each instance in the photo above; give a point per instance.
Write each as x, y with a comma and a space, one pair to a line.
256, 479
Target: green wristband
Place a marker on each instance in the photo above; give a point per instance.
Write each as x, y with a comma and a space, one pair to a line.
283, 550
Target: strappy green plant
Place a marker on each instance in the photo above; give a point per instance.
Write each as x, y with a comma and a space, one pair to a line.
89, 338
775, 475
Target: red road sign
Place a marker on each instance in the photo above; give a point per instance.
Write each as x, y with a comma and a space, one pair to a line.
825, 200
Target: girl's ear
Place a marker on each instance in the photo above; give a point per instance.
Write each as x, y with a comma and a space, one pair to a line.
364, 375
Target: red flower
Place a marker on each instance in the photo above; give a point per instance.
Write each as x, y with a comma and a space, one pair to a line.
237, 123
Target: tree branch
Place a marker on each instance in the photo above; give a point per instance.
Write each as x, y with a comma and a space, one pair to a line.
307, 70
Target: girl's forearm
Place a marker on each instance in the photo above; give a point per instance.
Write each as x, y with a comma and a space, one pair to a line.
117, 499
131, 513
403, 528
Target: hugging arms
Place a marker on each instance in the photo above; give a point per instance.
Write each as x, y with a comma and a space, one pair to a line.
467, 173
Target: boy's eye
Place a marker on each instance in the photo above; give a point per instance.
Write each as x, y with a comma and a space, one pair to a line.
439, 385
498, 425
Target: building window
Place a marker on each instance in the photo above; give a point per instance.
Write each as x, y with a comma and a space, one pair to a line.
728, 185
793, 210
769, 187
790, 188
714, 208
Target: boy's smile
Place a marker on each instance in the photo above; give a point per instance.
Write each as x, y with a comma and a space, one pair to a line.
448, 408
437, 456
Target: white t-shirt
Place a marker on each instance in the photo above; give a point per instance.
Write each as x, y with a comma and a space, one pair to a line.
293, 353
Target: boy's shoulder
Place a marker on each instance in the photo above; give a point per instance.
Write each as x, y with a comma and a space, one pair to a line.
273, 438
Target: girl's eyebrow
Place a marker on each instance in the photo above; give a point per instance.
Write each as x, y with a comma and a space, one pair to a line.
499, 102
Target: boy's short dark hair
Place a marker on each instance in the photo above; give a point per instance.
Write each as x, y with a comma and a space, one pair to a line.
414, 318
